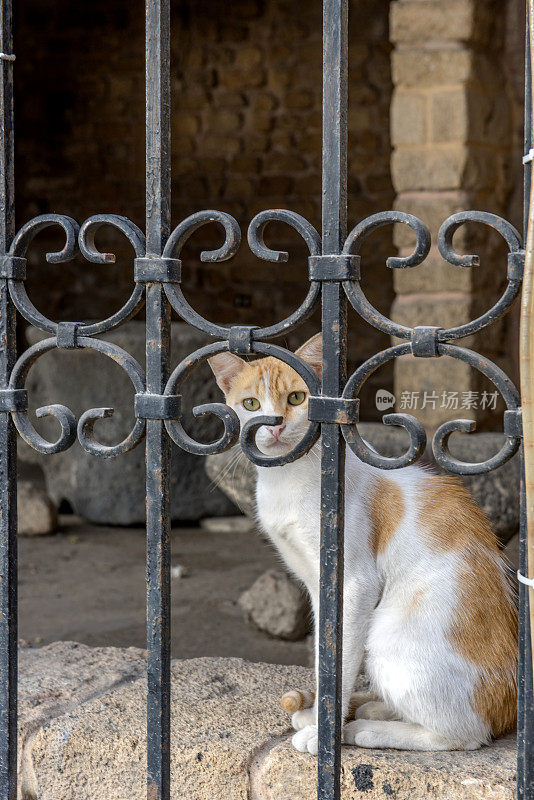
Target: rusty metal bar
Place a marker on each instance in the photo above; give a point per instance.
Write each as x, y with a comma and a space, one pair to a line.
158, 446
334, 327
8, 451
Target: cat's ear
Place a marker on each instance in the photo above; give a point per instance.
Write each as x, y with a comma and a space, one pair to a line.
312, 352
225, 367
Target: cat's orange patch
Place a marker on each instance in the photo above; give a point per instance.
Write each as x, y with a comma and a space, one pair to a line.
485, 633
484, 630
450, 516
386, 509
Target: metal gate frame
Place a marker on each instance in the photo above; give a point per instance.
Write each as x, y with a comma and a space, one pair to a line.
334, 266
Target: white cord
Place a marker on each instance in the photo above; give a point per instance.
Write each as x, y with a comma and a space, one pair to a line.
526, 581
7, 57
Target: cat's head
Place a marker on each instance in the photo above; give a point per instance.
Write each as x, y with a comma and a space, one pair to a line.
268, 387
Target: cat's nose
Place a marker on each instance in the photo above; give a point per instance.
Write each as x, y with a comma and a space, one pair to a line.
276, 430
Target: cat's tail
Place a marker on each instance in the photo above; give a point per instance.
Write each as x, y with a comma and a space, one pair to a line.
297, 700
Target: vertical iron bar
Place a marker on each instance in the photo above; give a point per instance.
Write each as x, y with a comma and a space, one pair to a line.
334, 221
158, 449
525, 716
8, 453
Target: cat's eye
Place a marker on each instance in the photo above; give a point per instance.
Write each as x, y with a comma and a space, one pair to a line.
296, 398
251, 403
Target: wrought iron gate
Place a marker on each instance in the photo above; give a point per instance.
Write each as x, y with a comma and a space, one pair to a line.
334, 265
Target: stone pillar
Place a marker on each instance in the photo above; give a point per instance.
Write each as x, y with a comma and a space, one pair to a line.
453, 136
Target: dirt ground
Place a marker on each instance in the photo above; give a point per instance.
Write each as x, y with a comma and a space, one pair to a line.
87, 583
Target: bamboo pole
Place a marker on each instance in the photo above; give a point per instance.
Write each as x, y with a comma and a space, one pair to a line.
526, 360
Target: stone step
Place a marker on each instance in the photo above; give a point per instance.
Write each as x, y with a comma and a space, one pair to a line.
82, 735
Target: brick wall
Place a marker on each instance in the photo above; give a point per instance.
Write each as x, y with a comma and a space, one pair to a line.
246, 135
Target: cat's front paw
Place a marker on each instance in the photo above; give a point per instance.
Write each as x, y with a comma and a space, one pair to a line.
361, 733
301, 719
306, 740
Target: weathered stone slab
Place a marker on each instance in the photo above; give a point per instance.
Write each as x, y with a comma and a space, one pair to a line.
282, 772
83, 725
223, 711
112, 491
60, 677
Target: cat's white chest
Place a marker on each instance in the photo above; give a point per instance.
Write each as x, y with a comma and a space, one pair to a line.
289, 512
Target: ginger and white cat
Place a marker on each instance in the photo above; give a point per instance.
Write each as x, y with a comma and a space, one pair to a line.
426, 597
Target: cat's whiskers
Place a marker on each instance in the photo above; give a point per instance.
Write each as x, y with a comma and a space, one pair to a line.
232, 464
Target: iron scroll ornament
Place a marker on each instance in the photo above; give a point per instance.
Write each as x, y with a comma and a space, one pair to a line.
433, 341
71, 335
422, 341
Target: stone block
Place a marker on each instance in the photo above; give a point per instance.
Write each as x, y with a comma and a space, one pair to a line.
299, 99
240, 79
275, 186
248, 57
245, 164
262, 122
421, 69
429, 377
225, 120
448, 310
445, 310
36, 513
229, 99
195, 98
432, 208
188, 124
408, 118
449, 116
257, 143
264, 101
277, 605
240, 188
279, 79
429, 169
283, 162
433, 275
229, 144
112, 491
423, 21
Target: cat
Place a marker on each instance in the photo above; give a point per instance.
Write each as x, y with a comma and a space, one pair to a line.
427, 602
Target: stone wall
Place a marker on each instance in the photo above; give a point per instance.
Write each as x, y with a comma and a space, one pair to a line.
456, 130
246, 84
246, 135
